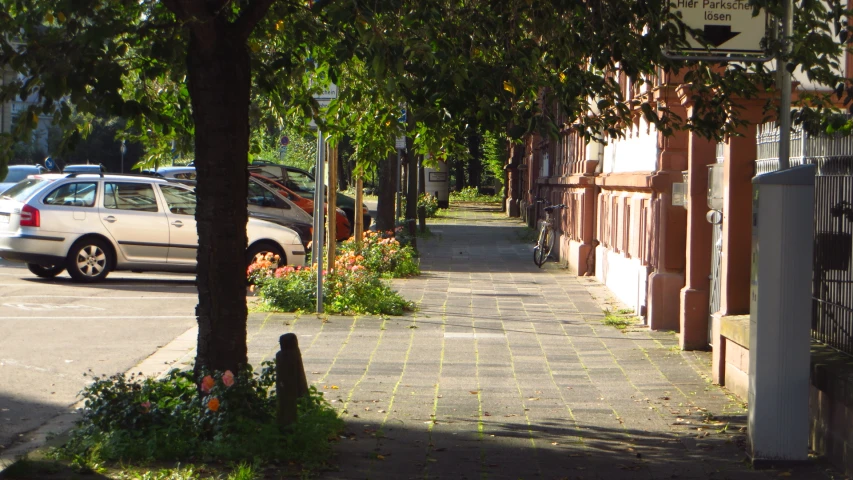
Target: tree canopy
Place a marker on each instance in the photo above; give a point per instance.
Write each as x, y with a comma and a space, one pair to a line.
202, 73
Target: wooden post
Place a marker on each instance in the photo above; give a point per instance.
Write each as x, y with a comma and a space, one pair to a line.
359, 217
290, 381
332, 213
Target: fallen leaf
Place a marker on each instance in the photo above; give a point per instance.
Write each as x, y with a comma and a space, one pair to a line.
380, 457
334, 387
474, 392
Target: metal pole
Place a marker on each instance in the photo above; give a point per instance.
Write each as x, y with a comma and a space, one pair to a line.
399, 193
784, 84
122, 149
319, 225
331, 203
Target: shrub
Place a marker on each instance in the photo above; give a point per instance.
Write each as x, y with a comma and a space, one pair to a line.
472, 194
349, 288
428, 202
223, 416
381, 253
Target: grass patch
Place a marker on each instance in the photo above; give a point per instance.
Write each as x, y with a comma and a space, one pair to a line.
617, 320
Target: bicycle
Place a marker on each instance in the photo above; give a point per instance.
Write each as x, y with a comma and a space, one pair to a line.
545, 242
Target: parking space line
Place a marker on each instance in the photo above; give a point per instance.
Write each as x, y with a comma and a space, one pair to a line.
91, 317
99, 297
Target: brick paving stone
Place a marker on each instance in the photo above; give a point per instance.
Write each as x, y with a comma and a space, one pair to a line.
511, 374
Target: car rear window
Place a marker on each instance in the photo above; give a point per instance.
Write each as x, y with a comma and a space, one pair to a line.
17, 174
24, 189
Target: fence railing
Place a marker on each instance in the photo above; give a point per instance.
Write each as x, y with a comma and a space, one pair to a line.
832, 281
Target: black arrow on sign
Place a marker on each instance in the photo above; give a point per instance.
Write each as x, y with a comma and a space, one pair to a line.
717, 35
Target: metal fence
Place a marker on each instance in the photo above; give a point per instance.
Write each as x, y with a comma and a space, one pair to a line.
832, 282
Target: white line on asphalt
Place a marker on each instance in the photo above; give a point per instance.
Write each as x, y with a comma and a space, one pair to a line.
109, 285
99, 317
99, 297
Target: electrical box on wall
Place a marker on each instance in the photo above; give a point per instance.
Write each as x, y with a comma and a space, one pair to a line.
679, 192
715, 186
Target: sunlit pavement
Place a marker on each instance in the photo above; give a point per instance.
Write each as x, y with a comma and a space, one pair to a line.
507, 371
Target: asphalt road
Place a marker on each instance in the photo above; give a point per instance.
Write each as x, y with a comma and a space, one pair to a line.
52, 332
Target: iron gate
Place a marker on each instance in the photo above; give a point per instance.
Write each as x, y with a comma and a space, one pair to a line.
715, 217
832, 280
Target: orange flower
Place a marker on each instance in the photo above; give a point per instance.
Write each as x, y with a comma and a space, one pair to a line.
207, 384
213, 404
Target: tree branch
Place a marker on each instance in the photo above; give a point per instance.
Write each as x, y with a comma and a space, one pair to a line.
195, 14
251, 15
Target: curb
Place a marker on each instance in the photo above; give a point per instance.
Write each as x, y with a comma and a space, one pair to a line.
175, 354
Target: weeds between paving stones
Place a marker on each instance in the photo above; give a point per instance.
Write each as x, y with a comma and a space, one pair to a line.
223, 418
618, 320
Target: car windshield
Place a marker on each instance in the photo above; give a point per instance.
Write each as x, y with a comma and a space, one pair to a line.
22, 190
15, 175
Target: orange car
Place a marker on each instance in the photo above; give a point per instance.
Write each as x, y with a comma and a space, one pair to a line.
342, 226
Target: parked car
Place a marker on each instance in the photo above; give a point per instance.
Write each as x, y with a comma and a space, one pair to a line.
343, 229
19, 172
180, 173
303, 183
267, 197
94, 224
84, 168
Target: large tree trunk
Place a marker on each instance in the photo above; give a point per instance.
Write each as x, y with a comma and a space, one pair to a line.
459, 168
219, 85
475, 163
387, 188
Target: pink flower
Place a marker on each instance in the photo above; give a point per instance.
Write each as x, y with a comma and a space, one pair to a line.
207, 384
228, 378
145, 406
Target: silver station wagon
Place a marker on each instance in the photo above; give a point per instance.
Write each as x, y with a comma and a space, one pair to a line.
92, 224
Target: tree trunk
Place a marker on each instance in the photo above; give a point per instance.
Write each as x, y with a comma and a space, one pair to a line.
475, 163
219, 85
411, 177
387, 185
460, 174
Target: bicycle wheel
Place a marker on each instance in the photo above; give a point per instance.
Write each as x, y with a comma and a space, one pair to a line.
539, 255
549, 243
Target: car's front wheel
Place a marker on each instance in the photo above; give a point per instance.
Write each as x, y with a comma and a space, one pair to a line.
263, 248
89, 260
45, 272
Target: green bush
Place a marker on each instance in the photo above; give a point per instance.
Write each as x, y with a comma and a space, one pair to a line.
350, 288
472, 194
223, 417
380, 253
428, 202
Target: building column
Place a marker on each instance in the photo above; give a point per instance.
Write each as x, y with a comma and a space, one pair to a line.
694, 314
669, 226
738, 170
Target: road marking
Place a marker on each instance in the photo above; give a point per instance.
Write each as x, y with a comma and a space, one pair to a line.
48, 306
110, 285
112, 317
101, 297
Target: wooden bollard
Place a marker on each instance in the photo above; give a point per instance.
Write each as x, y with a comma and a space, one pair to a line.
290, 381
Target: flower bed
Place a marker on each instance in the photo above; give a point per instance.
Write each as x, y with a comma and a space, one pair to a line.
223, 417
354, 286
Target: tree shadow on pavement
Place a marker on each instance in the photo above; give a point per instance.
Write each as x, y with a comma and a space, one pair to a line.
550, 448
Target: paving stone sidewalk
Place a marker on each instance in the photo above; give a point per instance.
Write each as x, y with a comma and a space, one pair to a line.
507, 371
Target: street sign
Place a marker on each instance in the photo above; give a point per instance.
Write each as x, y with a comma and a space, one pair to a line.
285, 141
327, 95
401, 143
726, 25
49, 163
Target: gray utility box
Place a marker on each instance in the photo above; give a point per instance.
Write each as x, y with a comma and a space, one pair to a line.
779, 314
